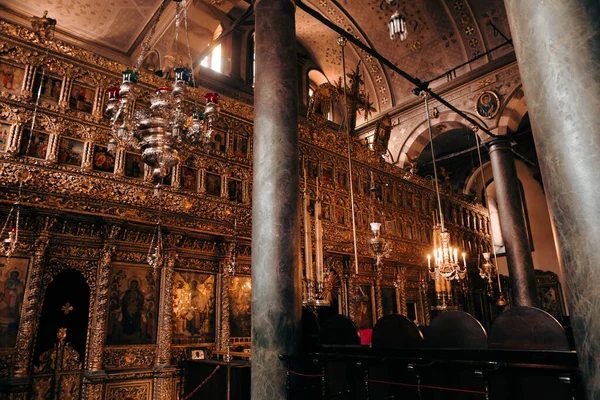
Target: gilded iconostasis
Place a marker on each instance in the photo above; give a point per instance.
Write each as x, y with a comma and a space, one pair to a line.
79, 287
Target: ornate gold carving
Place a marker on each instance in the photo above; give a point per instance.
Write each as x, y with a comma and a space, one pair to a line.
100, 309
30, 307
129, 391
130, 356
165, 313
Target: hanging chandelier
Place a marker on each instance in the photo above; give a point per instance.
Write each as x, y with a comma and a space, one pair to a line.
379, 247
397, 26
445, 262
161, 130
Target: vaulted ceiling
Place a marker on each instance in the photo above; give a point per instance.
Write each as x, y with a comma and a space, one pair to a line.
442, 33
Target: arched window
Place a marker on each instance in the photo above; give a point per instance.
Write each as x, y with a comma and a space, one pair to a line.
315, 79
214, 59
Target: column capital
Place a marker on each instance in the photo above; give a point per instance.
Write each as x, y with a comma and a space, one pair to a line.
500, 142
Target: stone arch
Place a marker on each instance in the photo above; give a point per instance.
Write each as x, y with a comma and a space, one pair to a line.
513, 112
418, 139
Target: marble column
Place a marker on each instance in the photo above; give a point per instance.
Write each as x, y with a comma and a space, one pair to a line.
512, 223
557, 43
276, 285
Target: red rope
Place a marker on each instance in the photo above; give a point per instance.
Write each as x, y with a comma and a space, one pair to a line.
202, 384
306, 375
428, 387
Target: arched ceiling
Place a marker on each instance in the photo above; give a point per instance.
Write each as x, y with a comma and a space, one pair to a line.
442, 34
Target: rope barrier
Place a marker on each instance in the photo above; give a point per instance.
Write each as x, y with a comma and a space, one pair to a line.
306, 375
428, 387
202, 384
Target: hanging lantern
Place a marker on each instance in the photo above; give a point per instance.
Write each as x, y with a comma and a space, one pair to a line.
397, 26
211, 113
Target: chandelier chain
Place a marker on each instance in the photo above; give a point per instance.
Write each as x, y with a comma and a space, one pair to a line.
146, 42
435, 175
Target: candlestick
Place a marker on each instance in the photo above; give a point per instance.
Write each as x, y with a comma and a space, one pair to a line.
307, 236
464, 260
318, 241
429, 261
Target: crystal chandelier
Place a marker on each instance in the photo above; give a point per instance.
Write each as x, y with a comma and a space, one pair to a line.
444, 262
160, 130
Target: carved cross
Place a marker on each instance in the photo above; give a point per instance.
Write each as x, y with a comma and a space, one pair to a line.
67, 308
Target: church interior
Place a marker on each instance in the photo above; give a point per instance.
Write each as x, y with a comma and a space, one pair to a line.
299, 199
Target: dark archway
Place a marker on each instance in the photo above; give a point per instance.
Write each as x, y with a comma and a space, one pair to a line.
65, 305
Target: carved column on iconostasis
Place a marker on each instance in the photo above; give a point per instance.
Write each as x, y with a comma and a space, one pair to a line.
52, 152
30, 308
63, 99
163, 382
224, 322
12, 142
400, 284
29, 75
98, 103
352, 285
346, 265
100, 310
175, 177
424, 297
88, 155
165, 312
120, 161
379, 302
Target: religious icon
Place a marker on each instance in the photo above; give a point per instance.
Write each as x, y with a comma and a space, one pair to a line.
342, 179
194, 307
240, 146
328, 175
234, 187
340, 214
364, 307
218, 142
197, 354
36, 147
213, 184
239, 302
70, 152
133, 165
12, 289
188, 179
82, 98
11, 77
388, 300
132, 306
50, 89
103, 160
313, 170
488, 104
4, 132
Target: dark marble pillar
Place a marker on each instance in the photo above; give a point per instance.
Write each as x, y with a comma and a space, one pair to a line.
557, 43
512, 222
276, 287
